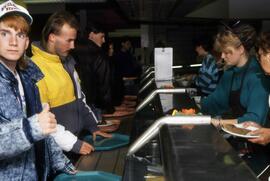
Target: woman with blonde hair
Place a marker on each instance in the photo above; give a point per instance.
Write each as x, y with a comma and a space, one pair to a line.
240, 95
240, 87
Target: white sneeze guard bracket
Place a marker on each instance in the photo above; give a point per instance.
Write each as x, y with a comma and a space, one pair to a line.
148, 70
146, 85
153, 130
148, 75
164, 91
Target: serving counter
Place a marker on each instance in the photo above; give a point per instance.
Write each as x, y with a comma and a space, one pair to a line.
184, 153
200, 153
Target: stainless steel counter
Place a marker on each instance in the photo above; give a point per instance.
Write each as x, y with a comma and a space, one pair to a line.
200, 153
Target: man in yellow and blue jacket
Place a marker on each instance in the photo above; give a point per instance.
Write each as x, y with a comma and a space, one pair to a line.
60, 86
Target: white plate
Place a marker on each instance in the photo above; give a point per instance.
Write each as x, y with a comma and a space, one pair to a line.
104, 125
251, 128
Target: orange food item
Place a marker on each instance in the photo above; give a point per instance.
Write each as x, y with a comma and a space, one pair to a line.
190, 111
168, 86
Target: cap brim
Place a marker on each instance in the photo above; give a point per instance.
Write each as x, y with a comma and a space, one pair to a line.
24, 15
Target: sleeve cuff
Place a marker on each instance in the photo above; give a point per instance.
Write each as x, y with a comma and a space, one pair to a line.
69, 169
27, 130
64, 138
94, 129
32, 129
77, 146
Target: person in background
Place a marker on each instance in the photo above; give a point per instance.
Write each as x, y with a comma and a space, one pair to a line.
128, 67
60, 86
120, 102
117, 84
95, 72
27, 151
208, 75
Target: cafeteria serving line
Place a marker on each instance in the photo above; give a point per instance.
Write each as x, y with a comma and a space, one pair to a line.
179, 152
135, 90
169, 151
162, 147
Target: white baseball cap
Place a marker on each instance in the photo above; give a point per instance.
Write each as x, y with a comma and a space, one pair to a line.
10, 7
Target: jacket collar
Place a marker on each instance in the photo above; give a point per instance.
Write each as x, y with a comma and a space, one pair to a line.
250, 61
6, 73
38, 50
93, 47
31, 72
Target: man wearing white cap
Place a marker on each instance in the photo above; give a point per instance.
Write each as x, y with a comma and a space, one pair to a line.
27, 151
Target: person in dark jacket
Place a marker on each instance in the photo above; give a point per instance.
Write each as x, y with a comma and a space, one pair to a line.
128, 67
117, 84
95, 72
126, 62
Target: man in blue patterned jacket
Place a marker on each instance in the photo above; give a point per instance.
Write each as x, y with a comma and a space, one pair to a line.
27, 151
208, 74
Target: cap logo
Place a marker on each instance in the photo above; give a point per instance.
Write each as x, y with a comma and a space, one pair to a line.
9, 7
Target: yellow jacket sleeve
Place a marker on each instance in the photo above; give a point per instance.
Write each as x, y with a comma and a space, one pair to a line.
43, 91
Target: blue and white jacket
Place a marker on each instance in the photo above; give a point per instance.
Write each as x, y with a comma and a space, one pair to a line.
208, 75
25, 153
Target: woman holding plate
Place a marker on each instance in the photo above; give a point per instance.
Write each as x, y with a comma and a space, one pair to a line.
240, 95
237, 94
